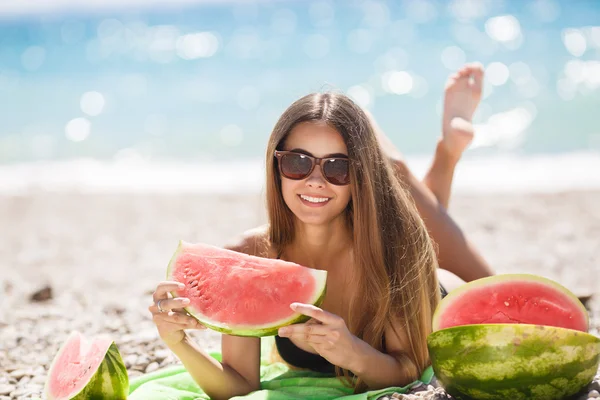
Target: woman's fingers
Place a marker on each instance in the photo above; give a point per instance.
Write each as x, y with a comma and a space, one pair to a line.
317, 313
164, 288
311, 339
170, 304
304, 331
180, 320
162, 296
168, 314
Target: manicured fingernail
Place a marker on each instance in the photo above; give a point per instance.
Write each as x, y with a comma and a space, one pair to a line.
293, 306
185, 301
181, 285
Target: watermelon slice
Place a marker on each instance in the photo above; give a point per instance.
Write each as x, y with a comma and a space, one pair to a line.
87, 369
513, 299
243, 295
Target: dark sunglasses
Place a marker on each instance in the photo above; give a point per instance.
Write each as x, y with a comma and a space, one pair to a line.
297, 166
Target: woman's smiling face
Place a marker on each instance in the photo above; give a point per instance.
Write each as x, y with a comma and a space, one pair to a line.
314, 200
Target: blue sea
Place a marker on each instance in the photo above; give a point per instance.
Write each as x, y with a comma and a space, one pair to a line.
113, 94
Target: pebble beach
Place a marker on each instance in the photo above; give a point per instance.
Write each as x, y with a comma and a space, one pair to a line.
90, 262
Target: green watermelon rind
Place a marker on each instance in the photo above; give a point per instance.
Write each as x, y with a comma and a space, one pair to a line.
455, 294
320, 277
516, 361
270, 331
110, 380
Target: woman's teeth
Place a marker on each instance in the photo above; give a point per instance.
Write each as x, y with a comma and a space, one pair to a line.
314, 199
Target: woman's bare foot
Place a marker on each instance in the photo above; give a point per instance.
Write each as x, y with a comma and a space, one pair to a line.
461, 98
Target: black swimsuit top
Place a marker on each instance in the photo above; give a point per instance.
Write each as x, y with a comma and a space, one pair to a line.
300, 358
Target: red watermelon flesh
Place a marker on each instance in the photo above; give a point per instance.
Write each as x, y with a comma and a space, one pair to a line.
240, 294
512, 298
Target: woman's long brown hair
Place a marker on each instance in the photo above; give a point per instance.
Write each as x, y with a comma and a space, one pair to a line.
393, 254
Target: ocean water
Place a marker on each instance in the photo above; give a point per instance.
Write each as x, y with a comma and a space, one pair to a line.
89, 91
474, 175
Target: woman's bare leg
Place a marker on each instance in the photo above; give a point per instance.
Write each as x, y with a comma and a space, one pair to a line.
455, 253
462, 95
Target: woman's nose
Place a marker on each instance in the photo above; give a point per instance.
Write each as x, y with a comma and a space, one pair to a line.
316, 179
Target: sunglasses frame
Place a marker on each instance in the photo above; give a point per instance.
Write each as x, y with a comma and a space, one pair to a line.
314, 161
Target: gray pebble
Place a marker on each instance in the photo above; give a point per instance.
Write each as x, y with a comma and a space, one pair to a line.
134, 373
14, 368
24, 380
39, 370
6, 389
161, 354
41, 379
593, 394
23, 392
130, 360
142, 360
153, 366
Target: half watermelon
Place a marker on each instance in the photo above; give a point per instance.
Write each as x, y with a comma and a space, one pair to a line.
512, 336
87, 369
243, 295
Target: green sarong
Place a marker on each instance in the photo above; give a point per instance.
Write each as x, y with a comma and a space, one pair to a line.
278, 382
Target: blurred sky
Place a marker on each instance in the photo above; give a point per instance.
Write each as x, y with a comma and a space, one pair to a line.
207, 79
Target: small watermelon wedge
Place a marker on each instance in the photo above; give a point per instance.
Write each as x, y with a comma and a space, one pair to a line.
87, 369
512, 298
243, 295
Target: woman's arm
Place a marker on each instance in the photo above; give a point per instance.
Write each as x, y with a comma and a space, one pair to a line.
236, 375
455, 253
392, 368
380, 370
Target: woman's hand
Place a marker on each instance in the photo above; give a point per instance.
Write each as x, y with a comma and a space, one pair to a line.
168, 315
326, 333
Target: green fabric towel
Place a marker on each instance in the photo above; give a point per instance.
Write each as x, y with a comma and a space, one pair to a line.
278, 382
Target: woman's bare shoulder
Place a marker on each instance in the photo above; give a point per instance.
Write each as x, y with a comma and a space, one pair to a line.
254, 242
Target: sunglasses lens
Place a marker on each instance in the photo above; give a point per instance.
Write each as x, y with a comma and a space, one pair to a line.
295, 166
337, 171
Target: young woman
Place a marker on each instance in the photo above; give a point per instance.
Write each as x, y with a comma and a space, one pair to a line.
334, 202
